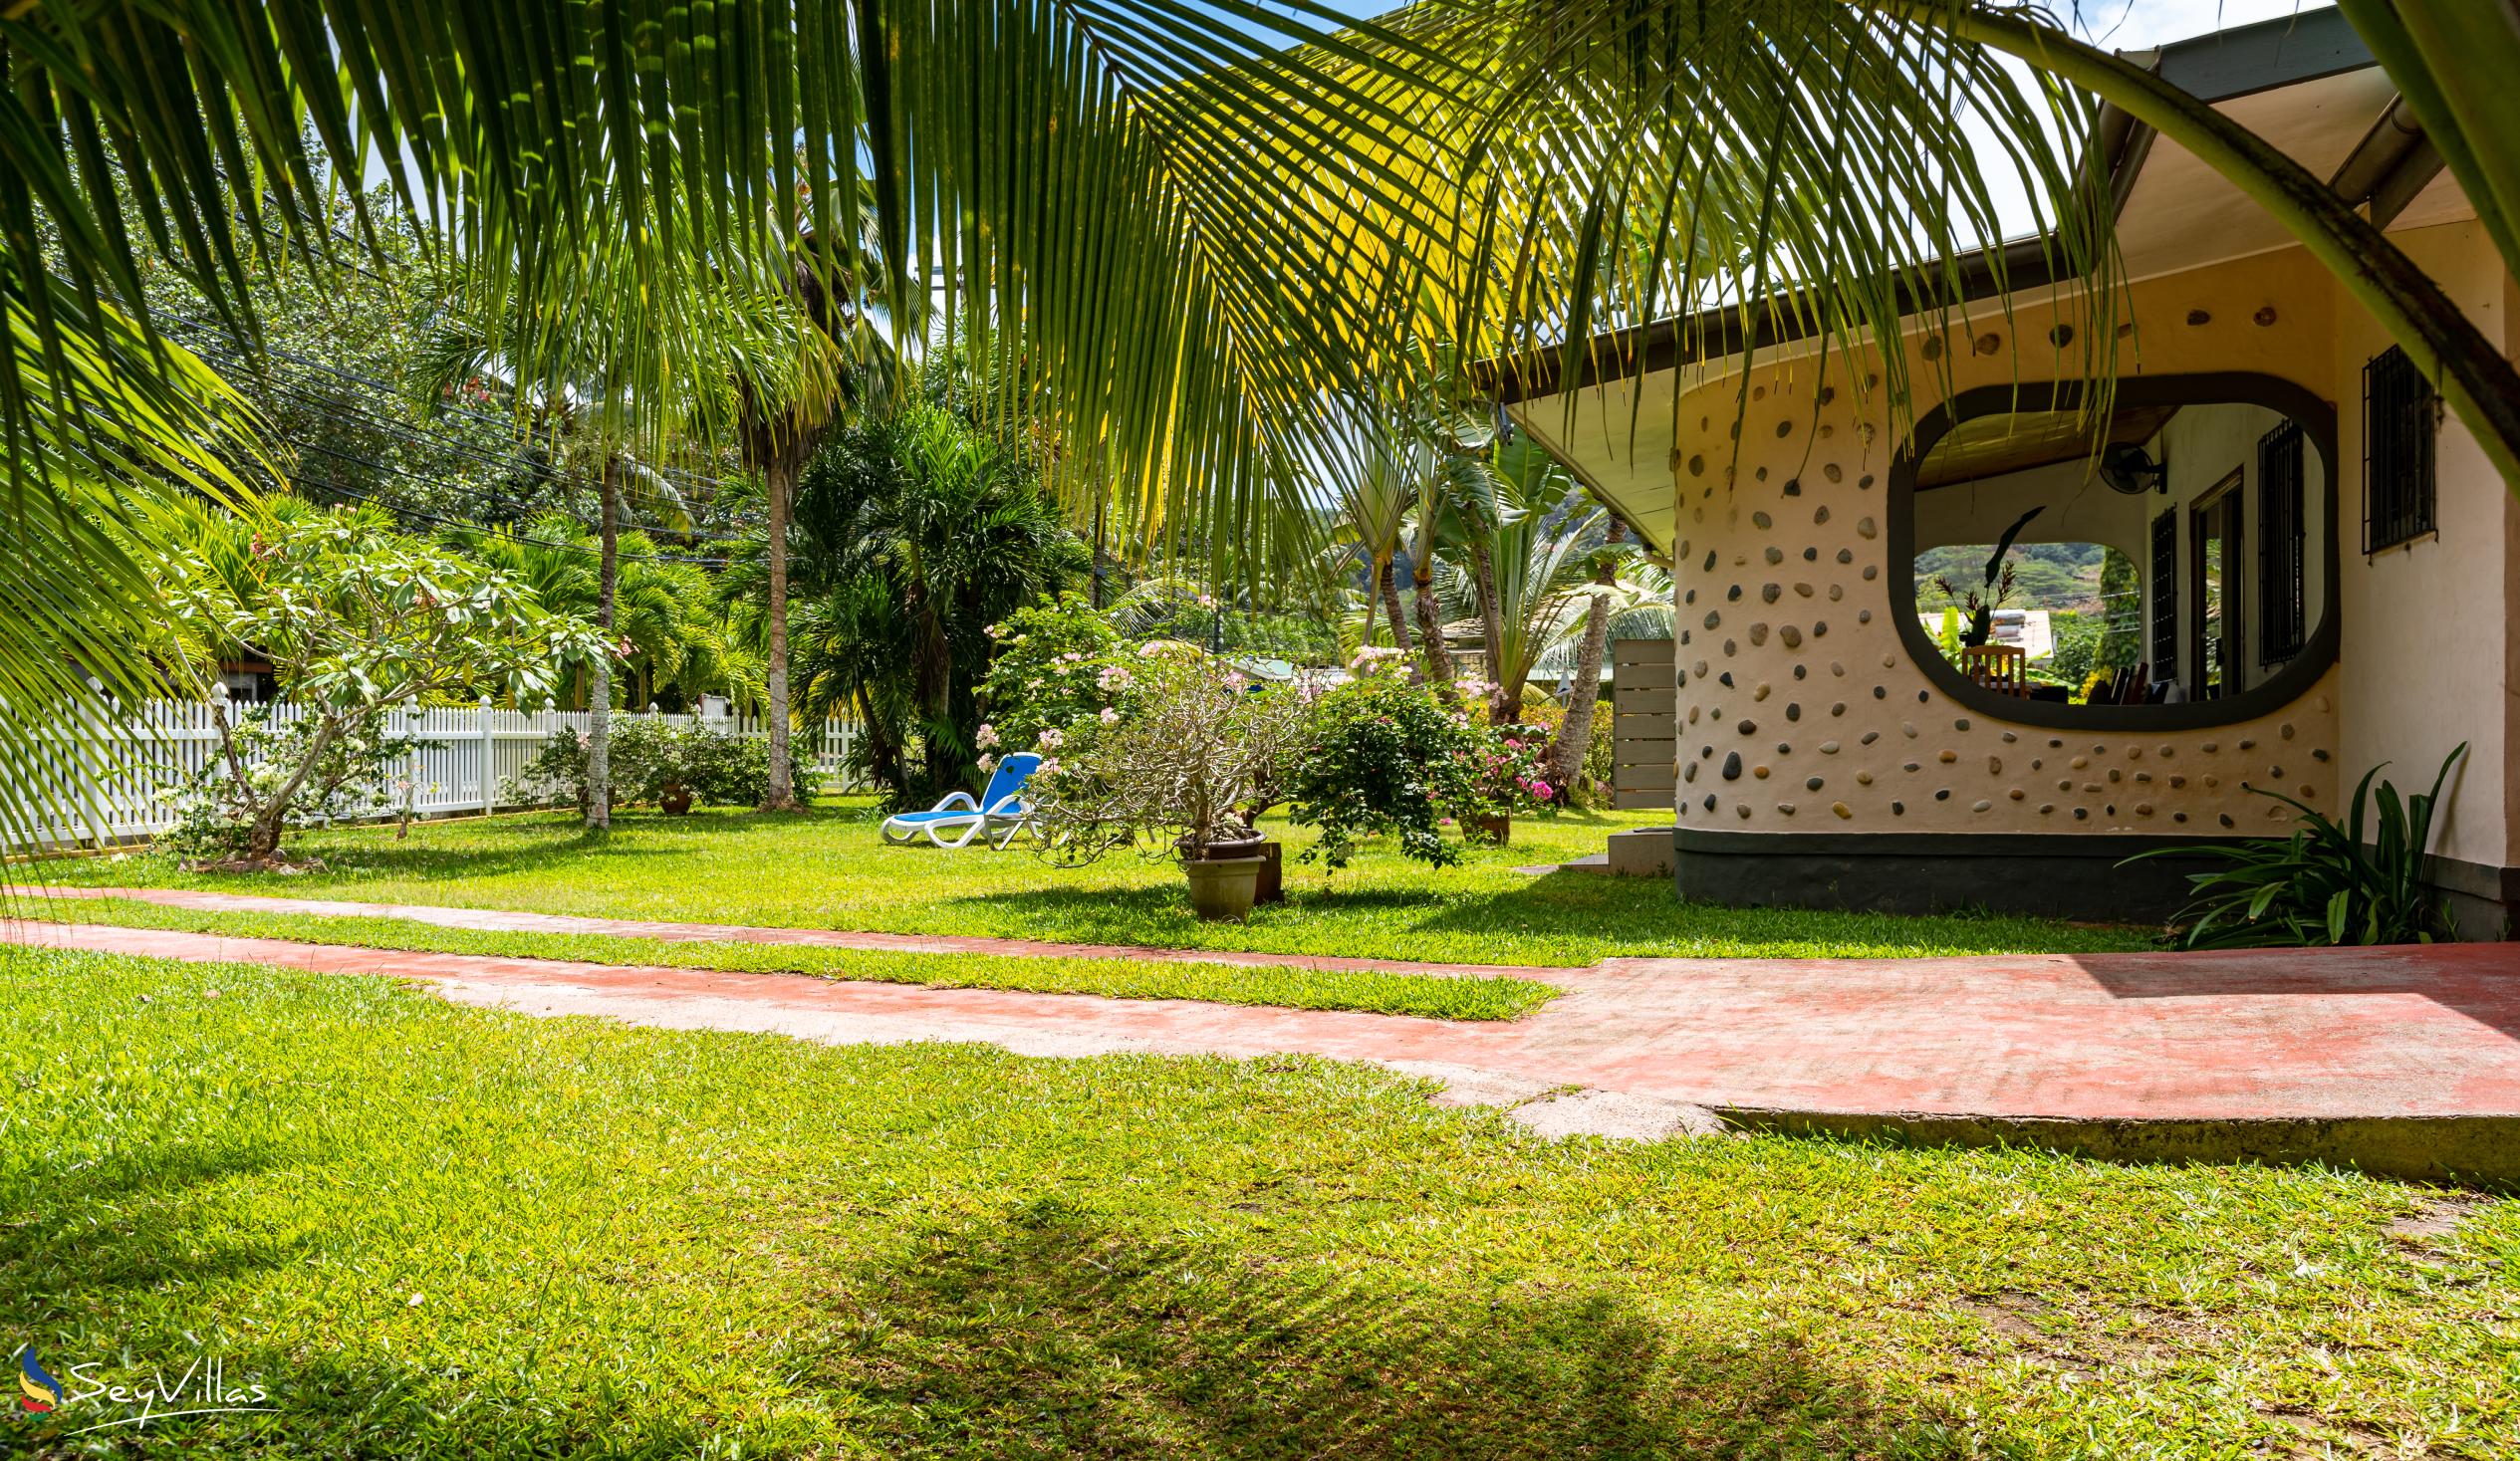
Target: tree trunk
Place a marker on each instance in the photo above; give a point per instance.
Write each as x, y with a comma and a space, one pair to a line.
1386, 583
271, 818
780, 477
1504, 703
600, 703
1575, 733
1430, 642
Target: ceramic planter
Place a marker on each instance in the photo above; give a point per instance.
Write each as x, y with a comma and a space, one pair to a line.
1221, 889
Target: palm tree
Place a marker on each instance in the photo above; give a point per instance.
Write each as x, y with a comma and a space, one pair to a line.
1549, 541
784, 415
1218, 221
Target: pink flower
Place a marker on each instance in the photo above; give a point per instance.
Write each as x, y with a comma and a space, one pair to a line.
1236, 680
1541, 790
1110, 717
1208, 600
987, 736
989, 763
1112, 678
1049, 766
1051, 739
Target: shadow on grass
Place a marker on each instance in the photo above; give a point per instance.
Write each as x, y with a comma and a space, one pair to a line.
1050, 1332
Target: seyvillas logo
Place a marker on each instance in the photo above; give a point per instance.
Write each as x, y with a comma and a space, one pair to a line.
38, 1391
202, 1389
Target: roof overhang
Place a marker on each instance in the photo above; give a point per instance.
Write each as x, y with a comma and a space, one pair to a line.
2307, 82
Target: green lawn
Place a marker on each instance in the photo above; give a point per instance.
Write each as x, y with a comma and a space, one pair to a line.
1434, 996
827, 871
430, 1231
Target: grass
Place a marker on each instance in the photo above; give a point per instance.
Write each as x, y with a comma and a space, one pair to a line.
437, 1232
827, 870
1433, 996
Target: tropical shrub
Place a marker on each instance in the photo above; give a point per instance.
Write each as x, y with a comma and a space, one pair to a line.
1058, 664
348, 775
1193, 761
650, 758
1385, 756
2076, 650
2326, 883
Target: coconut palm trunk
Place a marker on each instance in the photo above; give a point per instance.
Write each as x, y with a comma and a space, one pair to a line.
1386, 585
600, 707
780, 478
1575, 733
1438, 668
1504, 701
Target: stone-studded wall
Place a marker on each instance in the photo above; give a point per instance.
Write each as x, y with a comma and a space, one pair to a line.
1797, 709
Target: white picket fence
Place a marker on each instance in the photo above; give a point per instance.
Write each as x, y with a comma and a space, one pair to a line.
129, 778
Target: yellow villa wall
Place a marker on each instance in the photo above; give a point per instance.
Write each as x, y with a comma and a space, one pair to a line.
1782, 583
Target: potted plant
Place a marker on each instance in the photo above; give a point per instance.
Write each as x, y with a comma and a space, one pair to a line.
1182, 773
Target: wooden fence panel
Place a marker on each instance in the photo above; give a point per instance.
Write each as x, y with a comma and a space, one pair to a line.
1642, 721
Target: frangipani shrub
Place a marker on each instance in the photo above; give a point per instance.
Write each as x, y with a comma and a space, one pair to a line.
1191, 760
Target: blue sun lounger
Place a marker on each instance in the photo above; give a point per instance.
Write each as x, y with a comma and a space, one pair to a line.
955, 821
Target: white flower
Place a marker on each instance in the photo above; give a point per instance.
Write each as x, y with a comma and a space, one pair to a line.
1051, 739
1049, 766
989, 763
987, 736
1148, 649
1110, 717
1112, 678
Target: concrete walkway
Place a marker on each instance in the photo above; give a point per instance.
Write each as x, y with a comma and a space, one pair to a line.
2402, 1061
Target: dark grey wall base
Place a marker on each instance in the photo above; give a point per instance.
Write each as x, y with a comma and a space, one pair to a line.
1935, 872
2484, 901
2053, 877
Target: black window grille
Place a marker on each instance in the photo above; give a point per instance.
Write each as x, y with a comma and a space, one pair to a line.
2281, 545
2165, 597
2402, 415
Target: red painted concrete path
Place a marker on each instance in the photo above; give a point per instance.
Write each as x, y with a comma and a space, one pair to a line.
2401, 1060
505, 921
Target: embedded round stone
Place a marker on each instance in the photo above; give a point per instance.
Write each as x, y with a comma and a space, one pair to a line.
1748, 727
1732, 768
1843, 809
1866, 528
1775, 556
1770, 592
1822, 516
1761, 520
1845, 555
1813, 784
1792, 636
1864, 778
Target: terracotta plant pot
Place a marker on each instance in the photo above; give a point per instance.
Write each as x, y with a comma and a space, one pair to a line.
1221, 889
1497, 829
676, 800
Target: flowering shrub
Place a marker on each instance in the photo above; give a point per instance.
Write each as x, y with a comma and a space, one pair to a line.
1057, 662
1192, 760
1509, 768
648, 758
1385, 756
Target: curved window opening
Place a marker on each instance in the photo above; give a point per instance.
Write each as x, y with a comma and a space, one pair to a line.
2173, 564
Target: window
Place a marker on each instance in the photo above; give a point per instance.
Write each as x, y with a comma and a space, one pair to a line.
2174, 559
2402, 413
2165, 597
2282, 546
